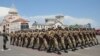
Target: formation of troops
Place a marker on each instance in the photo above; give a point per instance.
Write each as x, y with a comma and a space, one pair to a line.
55, 40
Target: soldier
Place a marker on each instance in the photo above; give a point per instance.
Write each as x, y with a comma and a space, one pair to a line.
42, 41
46, 40
28, 39
5, 39
11, 37
91, 38
67, 40
82, 38
87, 40
23, 38
94, 36
18, 39
53, 43
72, 40
32, 39
79, 38
60, 39
40, 36
14, 38
36, 39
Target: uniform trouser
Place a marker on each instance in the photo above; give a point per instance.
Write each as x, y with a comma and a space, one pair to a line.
68, 42
62, 43
43, 42
79, 42
17, 42
10, 40
28, 42
53, 43
4, 44
87, 41
23, 42
73, 42
32, 40
92, 41
13, 41
83, 42
95, 40
36, 41
20, 40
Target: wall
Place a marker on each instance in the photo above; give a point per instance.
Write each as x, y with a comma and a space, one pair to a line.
15, 27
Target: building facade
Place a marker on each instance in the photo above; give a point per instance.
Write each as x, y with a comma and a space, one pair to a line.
54, 22
13, 22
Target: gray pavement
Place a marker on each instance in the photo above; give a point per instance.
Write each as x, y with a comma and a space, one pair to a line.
21, 51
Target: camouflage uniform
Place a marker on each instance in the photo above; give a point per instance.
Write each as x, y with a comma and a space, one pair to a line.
72, 40
61, 40
36, 39
53, 43
28, 39
11, 37
42, 41
82, 39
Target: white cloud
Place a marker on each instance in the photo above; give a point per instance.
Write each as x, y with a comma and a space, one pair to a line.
3, 12
69, 20
73, 20
41, 19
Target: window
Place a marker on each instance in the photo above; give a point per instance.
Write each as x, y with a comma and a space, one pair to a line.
24, 26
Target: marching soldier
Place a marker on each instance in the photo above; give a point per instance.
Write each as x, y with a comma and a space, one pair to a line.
55, 40
60, 39
78, 38
11, 37
53, 43
28, 35
94, 36
42, 41
14, 38
32, 38
17, 39
82, 38
72, 40
23, 38
36, 39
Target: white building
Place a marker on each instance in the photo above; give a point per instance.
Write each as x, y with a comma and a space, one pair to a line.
13, 22
55, 22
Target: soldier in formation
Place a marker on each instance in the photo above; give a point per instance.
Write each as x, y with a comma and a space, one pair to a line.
55, 40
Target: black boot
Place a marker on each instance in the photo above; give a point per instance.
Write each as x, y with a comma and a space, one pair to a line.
73, 49
65, 51
82, 47
48, 51
59, 52
4, 47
